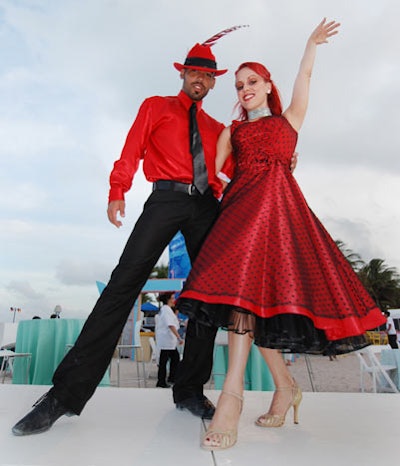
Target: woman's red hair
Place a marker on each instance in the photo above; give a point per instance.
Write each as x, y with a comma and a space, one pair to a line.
273, 99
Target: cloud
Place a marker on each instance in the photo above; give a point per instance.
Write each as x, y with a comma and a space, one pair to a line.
24, 289
79, 272
357, 232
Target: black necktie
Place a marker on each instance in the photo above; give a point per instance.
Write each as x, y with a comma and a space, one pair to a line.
200, 177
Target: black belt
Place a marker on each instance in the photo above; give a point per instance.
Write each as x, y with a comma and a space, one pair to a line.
168, 185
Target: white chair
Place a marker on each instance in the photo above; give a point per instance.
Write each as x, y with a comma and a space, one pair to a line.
137, 350
8, 333
155, 352
377, 349
8, 360
154, 357
370, 364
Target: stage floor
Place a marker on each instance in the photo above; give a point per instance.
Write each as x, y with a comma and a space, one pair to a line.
137, 426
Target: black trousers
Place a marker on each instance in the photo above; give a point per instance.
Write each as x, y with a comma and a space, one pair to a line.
173, 357
164, 214
393, 341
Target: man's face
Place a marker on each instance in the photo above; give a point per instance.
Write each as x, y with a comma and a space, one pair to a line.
196, 84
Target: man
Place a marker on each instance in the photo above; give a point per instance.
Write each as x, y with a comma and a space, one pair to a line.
167, 338
160, 136
391, 331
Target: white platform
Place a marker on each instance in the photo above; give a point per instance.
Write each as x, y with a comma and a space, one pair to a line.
130, 426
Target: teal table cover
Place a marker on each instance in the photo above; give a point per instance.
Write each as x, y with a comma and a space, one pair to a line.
48, 340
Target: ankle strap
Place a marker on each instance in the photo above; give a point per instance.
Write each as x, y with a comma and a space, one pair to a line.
236, 395
291, 387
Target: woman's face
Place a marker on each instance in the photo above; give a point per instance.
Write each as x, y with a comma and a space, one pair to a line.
171, 301
251, 89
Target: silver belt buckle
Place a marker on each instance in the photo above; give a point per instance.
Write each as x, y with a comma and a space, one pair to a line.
191, 189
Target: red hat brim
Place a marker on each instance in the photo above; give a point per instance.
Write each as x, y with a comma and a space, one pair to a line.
180, 67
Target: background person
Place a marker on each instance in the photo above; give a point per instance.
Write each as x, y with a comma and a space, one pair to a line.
391, 331
167, 340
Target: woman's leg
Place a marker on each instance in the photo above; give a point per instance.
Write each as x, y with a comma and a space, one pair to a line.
229, 405
286, 394
277, 366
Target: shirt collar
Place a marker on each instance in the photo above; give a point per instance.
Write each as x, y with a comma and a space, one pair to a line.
187, 101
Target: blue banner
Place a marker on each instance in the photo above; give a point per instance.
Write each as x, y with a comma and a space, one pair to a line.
179, 262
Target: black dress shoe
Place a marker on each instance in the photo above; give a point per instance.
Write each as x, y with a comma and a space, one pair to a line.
162, 385
44, 414
199, 406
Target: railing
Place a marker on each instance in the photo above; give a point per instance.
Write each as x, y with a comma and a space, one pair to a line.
377, 338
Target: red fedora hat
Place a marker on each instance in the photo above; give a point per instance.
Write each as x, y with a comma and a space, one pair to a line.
200, 58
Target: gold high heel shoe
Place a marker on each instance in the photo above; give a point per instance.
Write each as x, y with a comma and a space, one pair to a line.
277, 420
222, 439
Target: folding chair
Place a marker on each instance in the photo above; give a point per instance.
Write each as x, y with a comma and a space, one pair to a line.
8, 360
154, 357
370, 364
137, 350
8, 336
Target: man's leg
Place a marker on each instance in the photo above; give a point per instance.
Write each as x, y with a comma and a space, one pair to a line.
195, 368
78, 375
80, 372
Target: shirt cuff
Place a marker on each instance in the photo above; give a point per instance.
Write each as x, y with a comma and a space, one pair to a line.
116, 194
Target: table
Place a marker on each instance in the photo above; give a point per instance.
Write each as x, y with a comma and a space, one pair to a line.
257, 375
47, 340
391, 357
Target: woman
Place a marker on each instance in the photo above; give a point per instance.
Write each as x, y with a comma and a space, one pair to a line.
167, 339
268, 270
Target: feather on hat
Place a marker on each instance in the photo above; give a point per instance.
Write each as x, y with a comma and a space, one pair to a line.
200, 57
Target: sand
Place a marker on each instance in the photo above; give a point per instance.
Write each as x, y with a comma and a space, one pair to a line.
319, 375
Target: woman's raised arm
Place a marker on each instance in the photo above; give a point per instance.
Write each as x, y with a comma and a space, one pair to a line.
296, 111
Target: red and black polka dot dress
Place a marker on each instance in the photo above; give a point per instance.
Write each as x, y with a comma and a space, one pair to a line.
269, 255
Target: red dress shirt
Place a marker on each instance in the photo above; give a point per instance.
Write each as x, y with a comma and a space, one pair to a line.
160, 136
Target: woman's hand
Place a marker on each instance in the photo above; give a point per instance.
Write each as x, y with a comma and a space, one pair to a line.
323, 31
293, 162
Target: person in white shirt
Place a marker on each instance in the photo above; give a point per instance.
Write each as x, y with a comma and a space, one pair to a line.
391, 331
167, 339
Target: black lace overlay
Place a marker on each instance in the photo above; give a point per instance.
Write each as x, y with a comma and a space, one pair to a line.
290, 333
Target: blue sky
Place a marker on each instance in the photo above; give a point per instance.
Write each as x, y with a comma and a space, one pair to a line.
73, 73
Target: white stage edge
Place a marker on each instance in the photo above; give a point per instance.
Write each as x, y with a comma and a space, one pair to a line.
133, 426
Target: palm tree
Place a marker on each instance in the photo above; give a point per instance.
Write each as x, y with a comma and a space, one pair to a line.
160, 271
352, 257
382, 283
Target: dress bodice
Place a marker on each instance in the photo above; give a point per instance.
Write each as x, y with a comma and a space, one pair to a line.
256, 145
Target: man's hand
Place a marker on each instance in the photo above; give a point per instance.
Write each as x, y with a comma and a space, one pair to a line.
293, 162
113, 208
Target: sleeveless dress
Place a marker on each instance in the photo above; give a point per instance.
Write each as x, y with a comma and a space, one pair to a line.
270, 259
